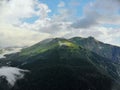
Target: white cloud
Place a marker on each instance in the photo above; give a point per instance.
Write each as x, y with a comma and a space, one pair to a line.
56, 26
12, 14
12, 74
97, 13
61, 4
103, 34
7, 51
14, 10
13, 31
15, 36
43, 10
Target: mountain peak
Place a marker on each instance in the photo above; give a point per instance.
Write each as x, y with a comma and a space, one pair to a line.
91, 38
76, 38
80, 38
79, 59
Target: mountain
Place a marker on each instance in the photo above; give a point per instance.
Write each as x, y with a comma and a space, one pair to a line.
8, 50
105, 50
61, 64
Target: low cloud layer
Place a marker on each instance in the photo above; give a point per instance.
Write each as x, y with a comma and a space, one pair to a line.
7, 51
15, 36
12, 74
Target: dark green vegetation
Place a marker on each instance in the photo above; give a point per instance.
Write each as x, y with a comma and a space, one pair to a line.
102, 49
61, 64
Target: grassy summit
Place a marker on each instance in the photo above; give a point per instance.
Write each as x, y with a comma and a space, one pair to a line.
43, 47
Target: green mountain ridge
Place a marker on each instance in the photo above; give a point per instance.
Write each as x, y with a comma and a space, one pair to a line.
102, 49
61, 64
46, 45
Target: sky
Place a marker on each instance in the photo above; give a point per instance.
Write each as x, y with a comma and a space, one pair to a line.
26, 22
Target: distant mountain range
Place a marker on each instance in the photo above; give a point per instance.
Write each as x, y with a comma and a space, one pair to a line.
67, 64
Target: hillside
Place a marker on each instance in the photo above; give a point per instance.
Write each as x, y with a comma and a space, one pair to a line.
102, 49
59, 64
